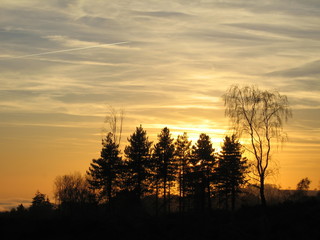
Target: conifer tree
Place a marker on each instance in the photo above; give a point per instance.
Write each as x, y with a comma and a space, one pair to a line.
203, 161
138, 164
104, 172
182, 154
164, 167
231, 170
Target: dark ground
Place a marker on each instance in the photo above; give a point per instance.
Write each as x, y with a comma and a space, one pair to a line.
299, 220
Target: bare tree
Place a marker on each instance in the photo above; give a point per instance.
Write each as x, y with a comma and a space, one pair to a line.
258, 115
72, 189
114, 121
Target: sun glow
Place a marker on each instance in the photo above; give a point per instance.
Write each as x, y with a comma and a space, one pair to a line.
216, 135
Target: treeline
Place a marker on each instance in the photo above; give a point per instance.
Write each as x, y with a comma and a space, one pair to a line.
194, 175
168, 176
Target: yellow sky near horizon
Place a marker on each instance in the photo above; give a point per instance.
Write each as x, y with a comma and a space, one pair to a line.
58, 78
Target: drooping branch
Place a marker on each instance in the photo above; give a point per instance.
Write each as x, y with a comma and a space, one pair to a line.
259, 115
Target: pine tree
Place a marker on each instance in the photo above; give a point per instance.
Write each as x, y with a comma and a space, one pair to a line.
231, 170
182, 154
203, 161
164, 167
104, 172
138, 162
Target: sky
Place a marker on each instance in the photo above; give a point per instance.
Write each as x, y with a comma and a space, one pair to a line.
166, 63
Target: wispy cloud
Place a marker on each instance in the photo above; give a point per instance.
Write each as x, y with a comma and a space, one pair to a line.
9, 203
310, 69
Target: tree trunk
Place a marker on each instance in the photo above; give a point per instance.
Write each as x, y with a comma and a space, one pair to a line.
208, 188
180, 191
233, 198
139, 192
157, 198
109, 197
226, 200
165, 195
262, 196
183, 188
169, 198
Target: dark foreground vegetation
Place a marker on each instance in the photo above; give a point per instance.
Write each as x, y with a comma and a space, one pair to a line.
287, 220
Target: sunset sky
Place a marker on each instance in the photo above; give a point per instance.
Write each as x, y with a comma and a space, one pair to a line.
169, 65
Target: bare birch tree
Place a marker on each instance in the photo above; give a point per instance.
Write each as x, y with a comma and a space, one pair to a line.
114, 121
258, 115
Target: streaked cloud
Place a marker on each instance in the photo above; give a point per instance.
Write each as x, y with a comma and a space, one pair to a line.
8, 204
311, 69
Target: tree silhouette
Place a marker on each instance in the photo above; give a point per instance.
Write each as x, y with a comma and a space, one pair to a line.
203, 161
182, 154
138, 163
164, 168
302, 188
73, 192
104, 173
21, 209
303, 184
114, 120
40, 205
231, 170
260, 116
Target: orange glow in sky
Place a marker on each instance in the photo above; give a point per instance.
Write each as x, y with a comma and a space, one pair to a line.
176, 61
